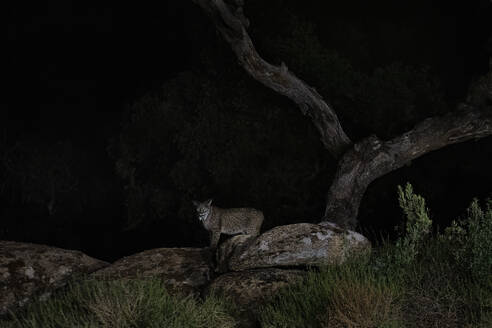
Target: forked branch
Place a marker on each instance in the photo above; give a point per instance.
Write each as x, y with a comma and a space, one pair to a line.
372, 158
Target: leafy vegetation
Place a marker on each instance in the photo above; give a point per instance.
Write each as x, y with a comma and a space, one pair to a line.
417, 225
470, 240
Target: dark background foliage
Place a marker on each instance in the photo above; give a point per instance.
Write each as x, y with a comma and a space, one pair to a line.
118, 116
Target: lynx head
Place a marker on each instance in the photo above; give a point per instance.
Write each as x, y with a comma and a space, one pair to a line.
203, 209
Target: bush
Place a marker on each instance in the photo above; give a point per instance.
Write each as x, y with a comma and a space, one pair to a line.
417, 226
350, 295
448, 279
367, 302
435, 294
120, 304
470, 242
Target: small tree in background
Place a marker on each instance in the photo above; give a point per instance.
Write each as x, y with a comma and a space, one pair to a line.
417, 225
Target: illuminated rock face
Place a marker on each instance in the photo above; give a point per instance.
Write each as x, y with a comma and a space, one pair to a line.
302, 244
31, 271
248, 268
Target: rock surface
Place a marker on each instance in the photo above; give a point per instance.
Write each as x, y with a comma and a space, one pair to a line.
184, 270
253, 268
233, 245
30, 270
302, 244
249, 289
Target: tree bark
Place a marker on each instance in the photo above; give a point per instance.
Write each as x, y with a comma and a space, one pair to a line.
231, 23
372, 158
363, 162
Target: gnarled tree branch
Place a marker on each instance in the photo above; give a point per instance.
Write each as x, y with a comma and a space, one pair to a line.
372, 158
231, 23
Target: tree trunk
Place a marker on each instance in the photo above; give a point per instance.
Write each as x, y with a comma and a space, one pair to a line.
372, 158
363, 162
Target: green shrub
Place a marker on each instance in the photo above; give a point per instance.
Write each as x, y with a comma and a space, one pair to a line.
450, 284
435, 294
122, 303
470, 241
392, 258
417, 226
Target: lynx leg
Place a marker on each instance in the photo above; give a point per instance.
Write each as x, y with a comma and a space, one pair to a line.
214, 239
255, 229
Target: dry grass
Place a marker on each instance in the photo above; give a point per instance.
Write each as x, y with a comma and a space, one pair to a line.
115, 308
361, 304
140, 303
424, 311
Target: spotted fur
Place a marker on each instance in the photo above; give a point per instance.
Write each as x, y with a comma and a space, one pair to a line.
228, 221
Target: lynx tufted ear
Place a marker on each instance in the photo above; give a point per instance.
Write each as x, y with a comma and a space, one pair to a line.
195, 203
209, 202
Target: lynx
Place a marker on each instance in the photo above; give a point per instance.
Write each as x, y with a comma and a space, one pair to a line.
229, 221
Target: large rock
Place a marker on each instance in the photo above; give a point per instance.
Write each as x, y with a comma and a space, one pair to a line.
302, 244
229, 247
251, 288
28, 271
184, 270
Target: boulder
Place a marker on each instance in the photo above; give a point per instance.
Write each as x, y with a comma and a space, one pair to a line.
249, 289
183, 270
28, 271
302, 244
233, 245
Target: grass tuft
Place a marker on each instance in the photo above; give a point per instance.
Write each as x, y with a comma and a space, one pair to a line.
122, 304
349, 295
